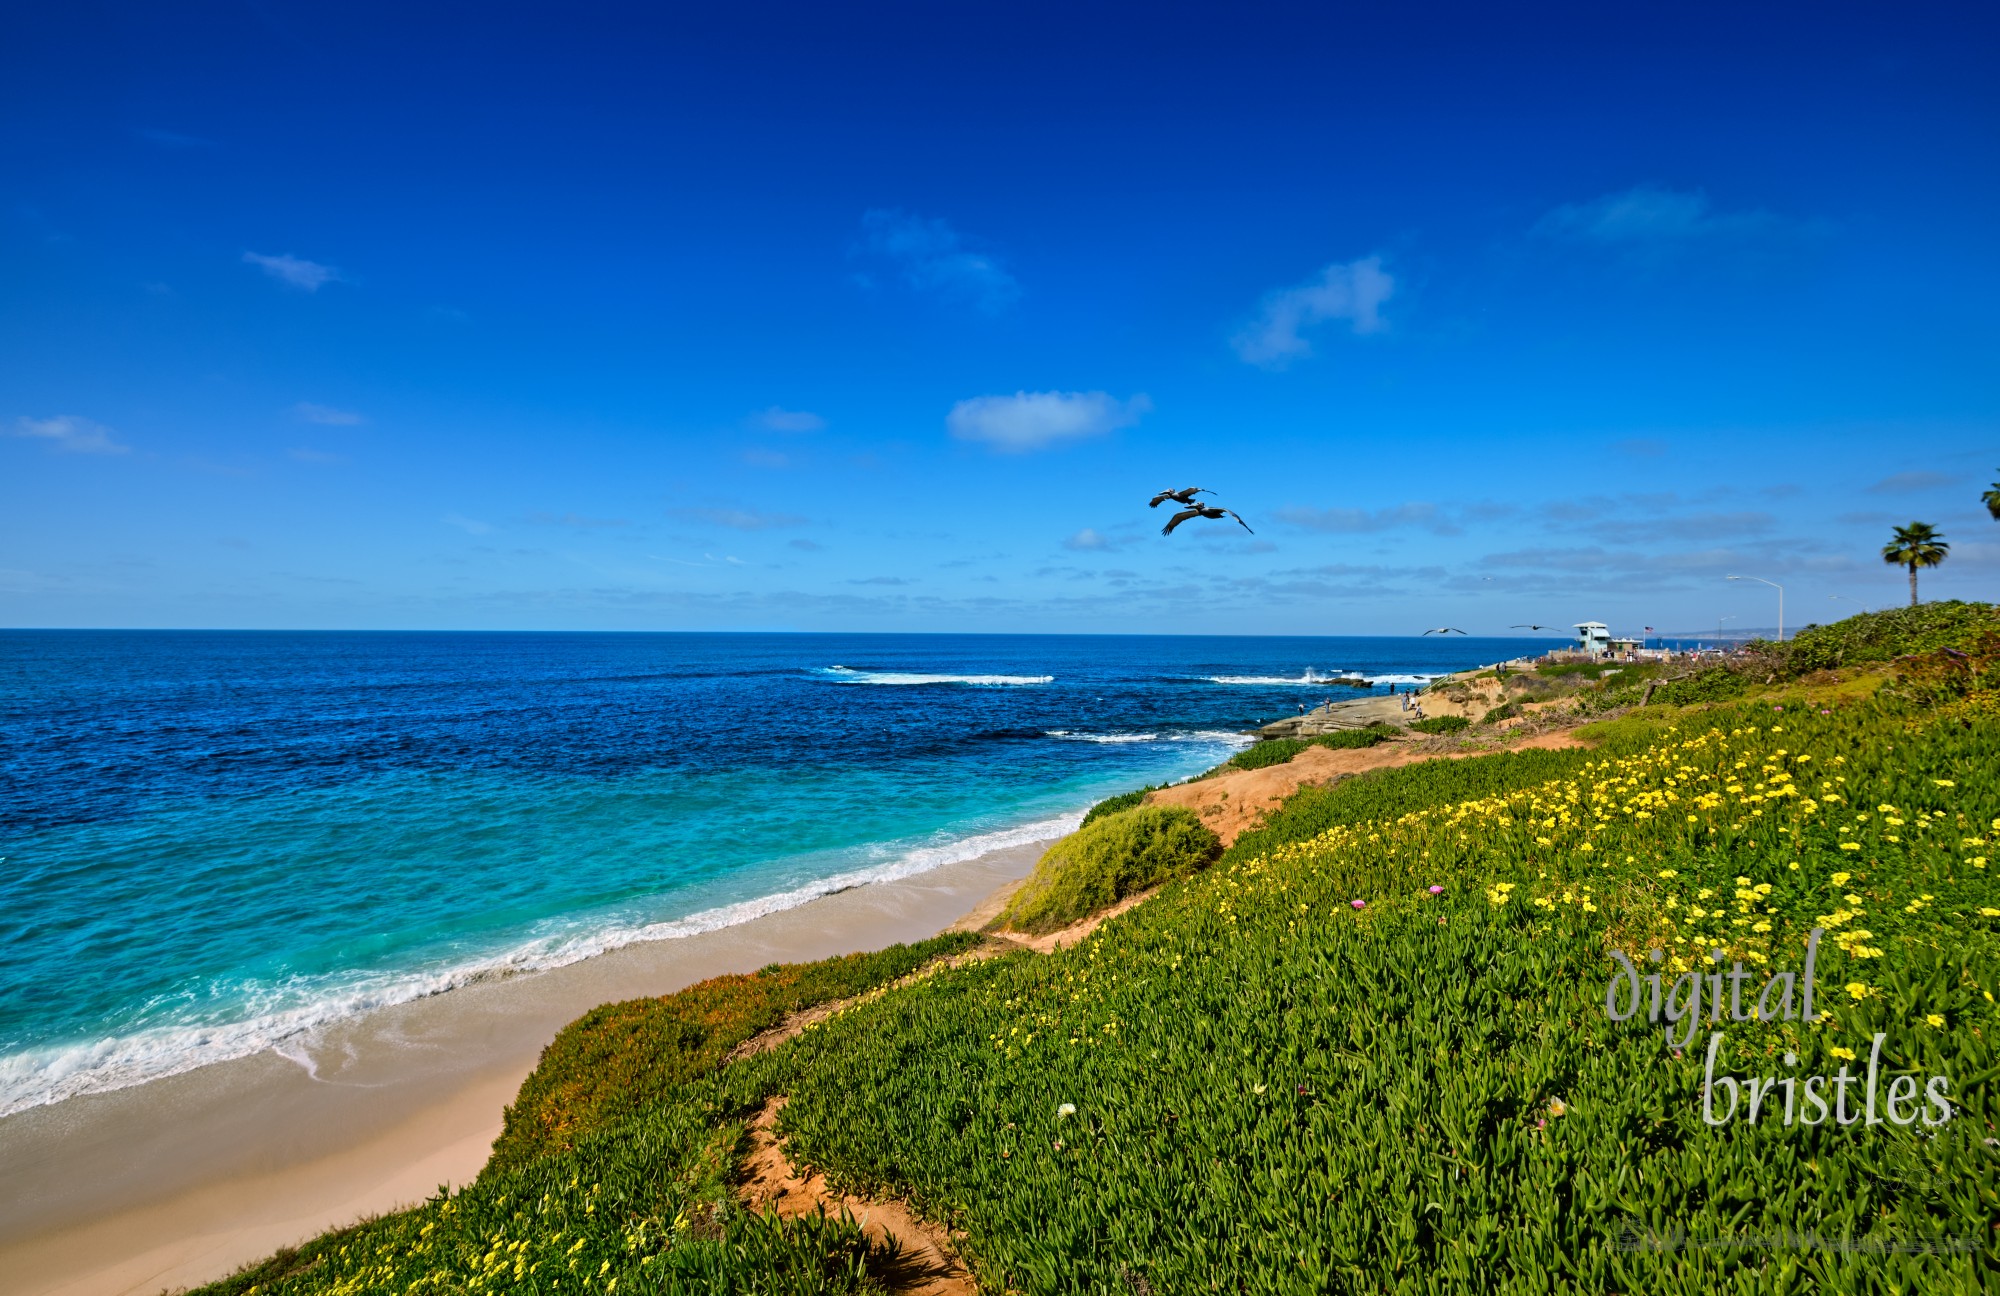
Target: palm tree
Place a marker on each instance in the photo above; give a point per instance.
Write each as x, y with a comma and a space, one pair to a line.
1992, 499
1913, 546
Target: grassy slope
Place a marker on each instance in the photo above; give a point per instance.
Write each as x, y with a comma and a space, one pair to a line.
1278, 1092
1103, 862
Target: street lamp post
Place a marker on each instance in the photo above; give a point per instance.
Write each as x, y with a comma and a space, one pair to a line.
1781, 600
1718, 631
1863, 606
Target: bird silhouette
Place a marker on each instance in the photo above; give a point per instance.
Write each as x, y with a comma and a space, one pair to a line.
1203, 511
1443, 630
1184, 496
1528, 627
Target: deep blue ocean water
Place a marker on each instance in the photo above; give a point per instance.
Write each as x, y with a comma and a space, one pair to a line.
215, 841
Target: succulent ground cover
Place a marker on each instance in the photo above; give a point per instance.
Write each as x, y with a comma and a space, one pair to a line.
1276, 751
1370, 1049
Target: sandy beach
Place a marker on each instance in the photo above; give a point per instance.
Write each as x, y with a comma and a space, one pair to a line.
180, 1181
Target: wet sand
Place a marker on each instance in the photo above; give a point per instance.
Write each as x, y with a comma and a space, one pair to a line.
185, 1179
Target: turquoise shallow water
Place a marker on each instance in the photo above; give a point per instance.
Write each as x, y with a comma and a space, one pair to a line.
216, 842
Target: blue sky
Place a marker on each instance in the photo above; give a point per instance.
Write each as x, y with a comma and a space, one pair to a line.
892, 316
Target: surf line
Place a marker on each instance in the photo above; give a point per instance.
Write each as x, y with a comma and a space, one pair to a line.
1682, 1005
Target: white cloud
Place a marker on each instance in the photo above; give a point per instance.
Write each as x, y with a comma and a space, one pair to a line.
69, 433
1906, 483
296, 271
776, 419
1031, 420
1648, 214
1090, 539
931, 256
326, 415
471, 526
739, 519
1350, 290
1349, 521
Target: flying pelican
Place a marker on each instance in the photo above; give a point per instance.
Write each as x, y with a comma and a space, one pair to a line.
1203, 511
1443, 630
1528, 627
1184, 496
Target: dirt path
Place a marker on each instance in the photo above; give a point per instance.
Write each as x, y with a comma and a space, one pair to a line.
1234, 802
925, 1263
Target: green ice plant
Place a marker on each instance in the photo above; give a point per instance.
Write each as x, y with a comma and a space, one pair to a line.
1367, 1049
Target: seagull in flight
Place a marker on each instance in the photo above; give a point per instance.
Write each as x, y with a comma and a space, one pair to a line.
1183, 497
1443, 630
1203, 511
1528, 627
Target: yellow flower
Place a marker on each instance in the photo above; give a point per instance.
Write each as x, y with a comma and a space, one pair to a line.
1989, 913
1843, 1053
1944, 782
1858, 991
1934, 1020
1850, 845
1667, 873
1840, 879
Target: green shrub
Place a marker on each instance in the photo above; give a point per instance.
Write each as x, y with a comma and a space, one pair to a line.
1095, 867
1276, 751
1505, 711
1123, 801
1710, 684
1271, 751
1447, 724
1881, 636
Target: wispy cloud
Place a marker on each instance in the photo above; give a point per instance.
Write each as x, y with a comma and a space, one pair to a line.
327, 415
1641, 447
1090, 540
777, 419
1650, 215
808, 546
471, 526
1032, 420
575, 521
1347, 521
932, 257
1909, 483
1346, 290
883, 580
71, 434
739, 519
296, 271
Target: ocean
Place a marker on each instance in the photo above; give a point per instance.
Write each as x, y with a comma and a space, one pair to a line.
216, 843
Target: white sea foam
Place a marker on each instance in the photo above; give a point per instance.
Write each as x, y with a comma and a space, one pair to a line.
1406, 679
1309, 677
1222, 736
285, 1017
847, 675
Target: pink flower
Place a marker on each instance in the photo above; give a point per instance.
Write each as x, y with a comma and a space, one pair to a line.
1359, 904
1437, 890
